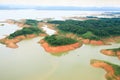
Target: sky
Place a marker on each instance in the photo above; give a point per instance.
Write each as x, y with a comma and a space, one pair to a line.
84, 3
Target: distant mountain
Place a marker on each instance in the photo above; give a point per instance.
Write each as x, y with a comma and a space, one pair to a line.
10, 6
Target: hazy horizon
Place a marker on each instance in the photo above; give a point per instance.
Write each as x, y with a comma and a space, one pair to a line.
76, 3
41, 7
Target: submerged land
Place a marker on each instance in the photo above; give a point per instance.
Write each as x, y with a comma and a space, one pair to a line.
71, 34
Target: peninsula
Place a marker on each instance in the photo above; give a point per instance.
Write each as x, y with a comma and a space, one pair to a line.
25, 33
113, 70
59, 44
29, 30
112, 52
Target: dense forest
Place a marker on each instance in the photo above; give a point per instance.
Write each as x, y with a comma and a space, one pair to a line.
57, 40
25, 31
92, 29
31, 22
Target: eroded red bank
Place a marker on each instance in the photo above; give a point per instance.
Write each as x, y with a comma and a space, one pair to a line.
111, 53
59, 49
110, 75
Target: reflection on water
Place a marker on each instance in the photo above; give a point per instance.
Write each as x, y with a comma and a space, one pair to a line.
31, 62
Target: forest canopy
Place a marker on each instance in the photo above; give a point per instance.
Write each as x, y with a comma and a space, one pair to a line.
31, 22
103, 27
57, 40
25, 31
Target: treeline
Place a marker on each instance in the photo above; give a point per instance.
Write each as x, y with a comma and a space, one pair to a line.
31, 22
25, 31
115, 49
57, 40
115, 67
104, 27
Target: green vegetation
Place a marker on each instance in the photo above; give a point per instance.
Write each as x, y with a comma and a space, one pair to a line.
115, 49
60, 54
97, 29
90, 35
25, 31
31, 22
115, 67
56, 40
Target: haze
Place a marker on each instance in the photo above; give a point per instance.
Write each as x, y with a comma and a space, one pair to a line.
97, 3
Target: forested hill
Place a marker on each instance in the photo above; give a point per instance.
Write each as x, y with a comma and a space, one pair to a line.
92, 29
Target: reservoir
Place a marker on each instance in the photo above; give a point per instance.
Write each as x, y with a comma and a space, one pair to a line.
31, 62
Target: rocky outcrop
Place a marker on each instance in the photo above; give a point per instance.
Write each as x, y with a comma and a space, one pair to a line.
59, 49
110, 75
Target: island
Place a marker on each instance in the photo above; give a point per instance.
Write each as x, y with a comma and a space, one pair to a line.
113, 70
59, 44
111, 52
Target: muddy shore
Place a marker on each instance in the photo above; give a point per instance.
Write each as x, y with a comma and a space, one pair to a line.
111, 53
110, 75
59, 49
12, 43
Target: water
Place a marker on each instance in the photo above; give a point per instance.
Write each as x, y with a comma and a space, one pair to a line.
40, 14
31, 62
48, 30
7, 29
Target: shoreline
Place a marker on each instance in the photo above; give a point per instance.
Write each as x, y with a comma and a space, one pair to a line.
93, 42
110, 75
12, 43
59, 49
111, 53
104, 41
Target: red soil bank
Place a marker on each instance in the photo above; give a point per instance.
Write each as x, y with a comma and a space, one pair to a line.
59, 49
